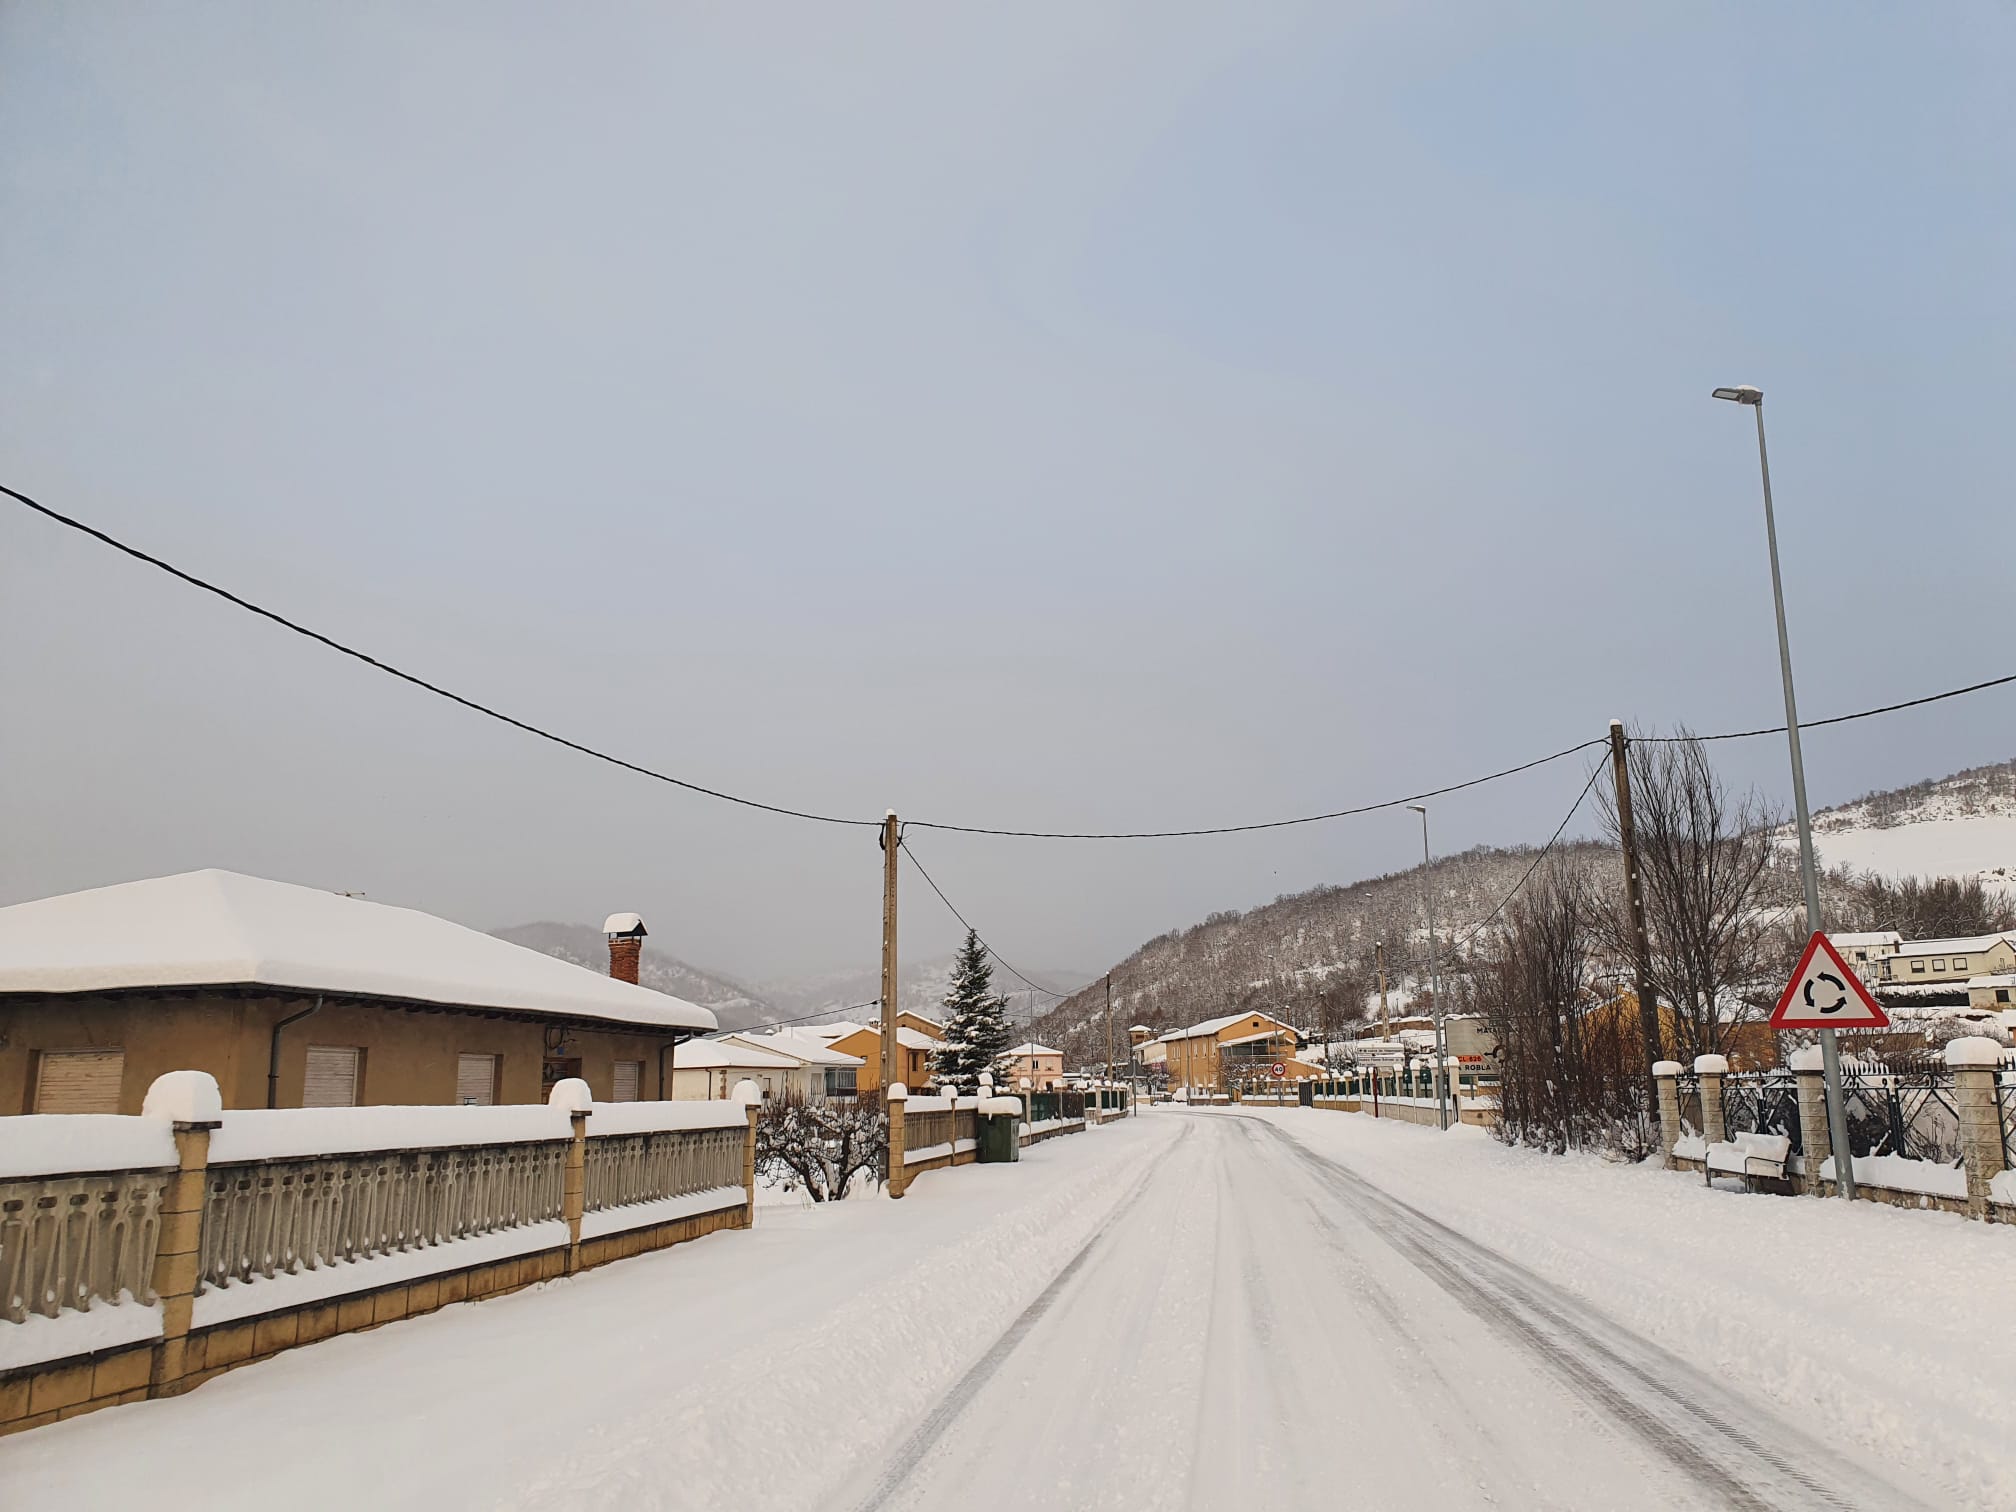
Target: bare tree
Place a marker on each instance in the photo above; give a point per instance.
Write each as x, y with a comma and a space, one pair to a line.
1932, 908
1705, 865
822, 1146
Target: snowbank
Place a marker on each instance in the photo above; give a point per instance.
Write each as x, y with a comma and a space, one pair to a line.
653, 1117
62, 1144
289, 1133
636, 1215
105, 1326
1901, 1174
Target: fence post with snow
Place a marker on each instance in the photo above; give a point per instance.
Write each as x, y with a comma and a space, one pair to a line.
750, 1096
898, 1100
1814, 1135
191, 1104
1667, 1074
1976, 1062
1711, 1069
572, 1094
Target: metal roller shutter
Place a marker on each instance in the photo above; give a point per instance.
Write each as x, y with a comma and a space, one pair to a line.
332, 1077
79, 1081
629, 1081
476, 1081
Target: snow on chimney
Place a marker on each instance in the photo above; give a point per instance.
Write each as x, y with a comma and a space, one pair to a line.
626, 943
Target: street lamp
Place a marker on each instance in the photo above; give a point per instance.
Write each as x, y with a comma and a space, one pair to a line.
1434, 979
1830, 1059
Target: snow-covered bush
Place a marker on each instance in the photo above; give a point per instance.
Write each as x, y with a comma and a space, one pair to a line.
822, 1146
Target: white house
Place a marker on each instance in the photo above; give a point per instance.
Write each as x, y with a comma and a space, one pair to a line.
710, 1068
819, 1071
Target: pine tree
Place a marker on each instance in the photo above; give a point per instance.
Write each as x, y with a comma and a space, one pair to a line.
977, 1032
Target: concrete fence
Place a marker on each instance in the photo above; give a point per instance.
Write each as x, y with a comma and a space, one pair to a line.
1407, 1096
932, 1133
142, 1255
1963, 1107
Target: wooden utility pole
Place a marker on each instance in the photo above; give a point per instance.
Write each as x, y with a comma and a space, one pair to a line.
1109, 1028
892, 838
1379, 959
1634, 898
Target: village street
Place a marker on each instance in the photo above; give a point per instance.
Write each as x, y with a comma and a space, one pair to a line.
1184, 1309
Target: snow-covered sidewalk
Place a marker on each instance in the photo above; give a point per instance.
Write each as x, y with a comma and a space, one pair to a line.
745, 1370
1871, 1327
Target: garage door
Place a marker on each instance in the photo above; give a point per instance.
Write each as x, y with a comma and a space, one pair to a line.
332, 1077
476, 1081
79, 1081
629, 1081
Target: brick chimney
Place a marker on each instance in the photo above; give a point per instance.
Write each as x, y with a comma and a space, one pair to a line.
626, 943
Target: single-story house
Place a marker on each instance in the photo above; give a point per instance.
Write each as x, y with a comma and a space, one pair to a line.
706, 1068
1950, 961
294, 996
820, 1070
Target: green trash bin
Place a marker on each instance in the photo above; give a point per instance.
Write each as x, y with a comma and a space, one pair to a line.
1000, 1137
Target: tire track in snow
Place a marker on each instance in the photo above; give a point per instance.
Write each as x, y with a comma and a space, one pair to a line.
911, 1452
1660, 1398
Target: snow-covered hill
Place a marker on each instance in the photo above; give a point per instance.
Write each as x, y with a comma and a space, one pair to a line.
1958, 826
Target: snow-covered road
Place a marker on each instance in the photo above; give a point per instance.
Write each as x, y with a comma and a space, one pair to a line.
1188, 1309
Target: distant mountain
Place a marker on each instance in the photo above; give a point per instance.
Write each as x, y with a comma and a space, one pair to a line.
734, 1004
921, 987
1309, 953
1958, 826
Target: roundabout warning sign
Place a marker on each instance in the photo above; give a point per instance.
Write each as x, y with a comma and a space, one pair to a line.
1825, 993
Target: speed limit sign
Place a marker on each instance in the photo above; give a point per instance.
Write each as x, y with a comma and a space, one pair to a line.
1280, 1069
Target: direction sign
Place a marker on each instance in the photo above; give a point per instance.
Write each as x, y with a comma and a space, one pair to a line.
1280, 1069
1825, 993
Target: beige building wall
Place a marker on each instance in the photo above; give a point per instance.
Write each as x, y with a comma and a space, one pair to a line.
408, 1056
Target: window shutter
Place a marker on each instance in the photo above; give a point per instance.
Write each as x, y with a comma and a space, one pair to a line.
629, 1078
332, 1077
79, 1081
476, 1081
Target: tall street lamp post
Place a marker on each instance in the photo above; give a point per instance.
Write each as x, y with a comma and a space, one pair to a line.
1830, 1057
1434, 980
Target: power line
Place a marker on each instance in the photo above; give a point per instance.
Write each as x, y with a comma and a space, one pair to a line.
802, 1018
476, 706
1059, 996
1551, 841
419, 682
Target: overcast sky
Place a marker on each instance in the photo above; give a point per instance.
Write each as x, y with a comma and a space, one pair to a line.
1050, 415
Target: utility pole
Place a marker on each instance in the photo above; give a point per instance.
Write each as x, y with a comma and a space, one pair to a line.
892, 839
1109, 1028
1434, 977
1634, 898
1809, 875
1379, 959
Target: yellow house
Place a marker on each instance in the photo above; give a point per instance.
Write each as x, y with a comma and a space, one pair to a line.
296, 997
1240, 1049
916, 1037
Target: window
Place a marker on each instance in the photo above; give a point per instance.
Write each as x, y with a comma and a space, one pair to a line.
1959, 963
840, 1081
476, 1080
629, 1081
1918, 966
1939, 964
78, 1081
333, 1076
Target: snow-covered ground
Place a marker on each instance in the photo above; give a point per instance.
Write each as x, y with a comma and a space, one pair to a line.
1192, 1308
1982, 845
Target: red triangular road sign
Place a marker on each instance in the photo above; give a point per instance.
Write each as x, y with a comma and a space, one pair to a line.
1825, 993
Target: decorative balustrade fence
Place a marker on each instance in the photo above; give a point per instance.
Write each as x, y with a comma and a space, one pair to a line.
70, 1241
281, 1217
625, 1169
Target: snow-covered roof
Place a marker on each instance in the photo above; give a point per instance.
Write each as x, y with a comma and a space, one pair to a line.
717, 1054
1976, 945
915, 1039
1994, 979
223, 929
1866, 940
807, 1049
838, 1029
1030, 1047
1248, 1039
1213, 1026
